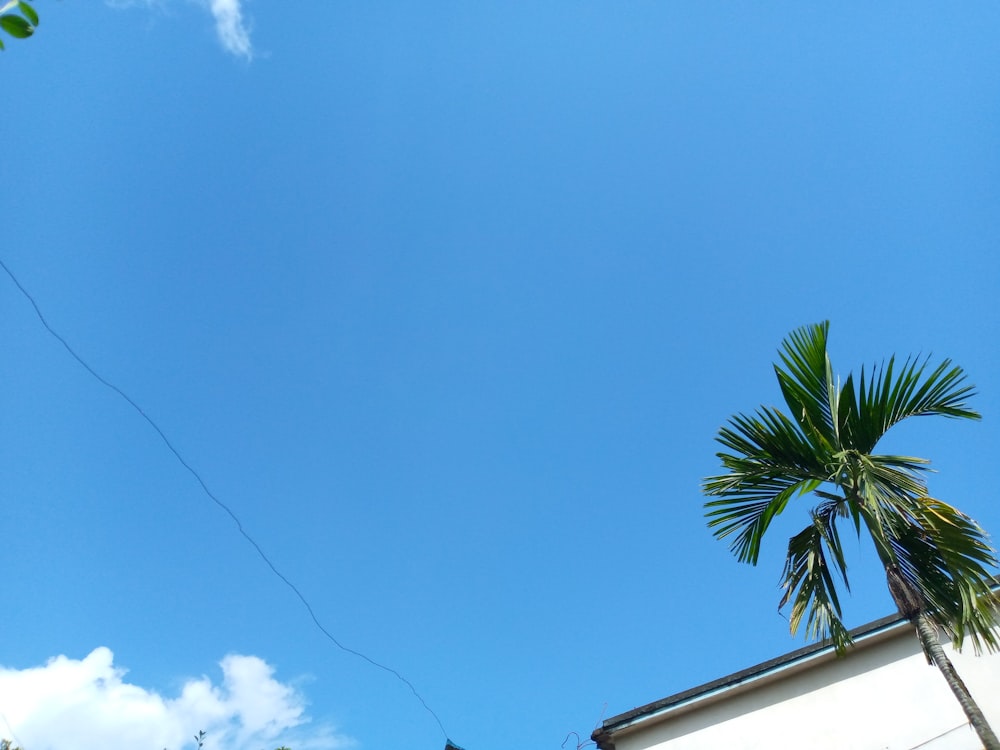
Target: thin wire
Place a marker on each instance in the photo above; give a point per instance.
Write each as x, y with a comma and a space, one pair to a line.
217, 501
925, 743
13, 734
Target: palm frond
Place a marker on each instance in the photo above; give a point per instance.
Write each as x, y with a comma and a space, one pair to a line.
846, 412
808, 582
769, 438
770, 463
806, 382
894, 475
946, 558
886, 398
747, 510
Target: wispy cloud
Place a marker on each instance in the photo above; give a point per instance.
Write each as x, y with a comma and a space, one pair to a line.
231, 28
71, 704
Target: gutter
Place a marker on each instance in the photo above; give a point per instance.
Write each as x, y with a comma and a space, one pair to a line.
738, 681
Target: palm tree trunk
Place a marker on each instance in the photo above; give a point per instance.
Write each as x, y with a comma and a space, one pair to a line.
928, 635
911, 606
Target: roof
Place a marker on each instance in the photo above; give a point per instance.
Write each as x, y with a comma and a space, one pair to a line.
603, 736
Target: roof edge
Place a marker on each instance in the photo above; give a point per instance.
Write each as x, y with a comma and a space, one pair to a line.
602, 736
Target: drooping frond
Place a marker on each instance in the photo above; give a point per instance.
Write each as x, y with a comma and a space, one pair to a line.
945, 558
748, 510
770, 462
808, 582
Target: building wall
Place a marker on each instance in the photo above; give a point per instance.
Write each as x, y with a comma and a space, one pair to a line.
882, 696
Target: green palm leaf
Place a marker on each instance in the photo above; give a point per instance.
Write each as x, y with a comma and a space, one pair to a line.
808, 581
825, 448
770, 462
886, 398
805, 383
946, 558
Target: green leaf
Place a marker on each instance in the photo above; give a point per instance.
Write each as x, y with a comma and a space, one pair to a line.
806, 381
16, 26
887, 398
750, 510
28, 12
809, 585
937, 559
946, 559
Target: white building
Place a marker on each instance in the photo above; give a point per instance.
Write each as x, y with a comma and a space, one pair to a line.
882, 695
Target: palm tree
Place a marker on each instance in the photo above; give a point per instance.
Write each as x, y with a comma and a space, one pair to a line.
936, 558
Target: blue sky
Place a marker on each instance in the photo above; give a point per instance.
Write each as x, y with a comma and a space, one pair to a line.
447, 302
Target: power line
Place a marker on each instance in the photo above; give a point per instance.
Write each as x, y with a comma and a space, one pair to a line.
13, 735
217, 501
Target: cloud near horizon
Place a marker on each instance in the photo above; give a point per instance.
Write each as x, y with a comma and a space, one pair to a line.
81, 704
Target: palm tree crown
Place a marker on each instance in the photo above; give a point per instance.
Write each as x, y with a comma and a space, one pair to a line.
937, 559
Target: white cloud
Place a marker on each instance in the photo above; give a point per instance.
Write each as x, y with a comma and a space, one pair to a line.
71, 704
231, 28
